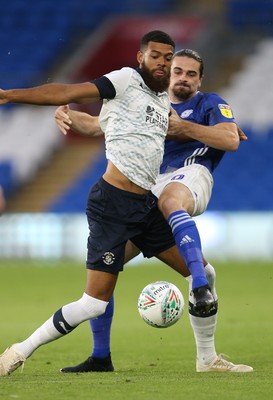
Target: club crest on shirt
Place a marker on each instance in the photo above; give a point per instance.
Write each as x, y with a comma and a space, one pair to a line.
225, 110
186, 113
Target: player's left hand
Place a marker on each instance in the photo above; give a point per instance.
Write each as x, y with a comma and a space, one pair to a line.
62, 119
242, 135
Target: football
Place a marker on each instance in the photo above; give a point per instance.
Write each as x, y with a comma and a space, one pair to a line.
161, 304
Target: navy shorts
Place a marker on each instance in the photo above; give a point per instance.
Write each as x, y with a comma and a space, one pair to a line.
116, 216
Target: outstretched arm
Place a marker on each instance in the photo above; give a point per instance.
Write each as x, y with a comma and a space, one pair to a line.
80, 122
52, 94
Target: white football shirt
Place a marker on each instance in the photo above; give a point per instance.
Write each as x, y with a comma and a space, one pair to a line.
135, 124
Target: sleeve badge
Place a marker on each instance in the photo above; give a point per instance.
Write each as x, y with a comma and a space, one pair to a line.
225, 110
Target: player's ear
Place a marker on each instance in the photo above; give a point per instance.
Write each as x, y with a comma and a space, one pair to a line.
140, 57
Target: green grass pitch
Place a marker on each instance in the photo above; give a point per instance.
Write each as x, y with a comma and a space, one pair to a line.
149, 363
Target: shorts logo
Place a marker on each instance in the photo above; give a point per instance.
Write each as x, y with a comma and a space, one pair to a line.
186, 113
108, 258
225, 110
177, 177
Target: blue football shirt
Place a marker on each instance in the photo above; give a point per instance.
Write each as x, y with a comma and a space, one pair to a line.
205, 109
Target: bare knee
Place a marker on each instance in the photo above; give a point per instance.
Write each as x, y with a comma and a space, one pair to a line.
167, 204
175, 198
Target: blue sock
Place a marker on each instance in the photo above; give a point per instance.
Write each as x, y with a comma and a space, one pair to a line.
189, 245
101, 328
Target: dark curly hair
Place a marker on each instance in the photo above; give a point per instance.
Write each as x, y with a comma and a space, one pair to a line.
156, 36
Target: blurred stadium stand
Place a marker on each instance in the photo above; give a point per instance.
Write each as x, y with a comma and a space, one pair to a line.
251, 15
34, 35
35, 41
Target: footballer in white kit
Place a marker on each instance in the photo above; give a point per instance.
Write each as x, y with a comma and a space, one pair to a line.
115, 215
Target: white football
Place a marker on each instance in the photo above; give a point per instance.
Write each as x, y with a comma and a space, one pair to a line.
161, 304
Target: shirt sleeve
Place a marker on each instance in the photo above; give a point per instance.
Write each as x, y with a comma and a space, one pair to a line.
114, 83
120, 79
105, 87
218, 110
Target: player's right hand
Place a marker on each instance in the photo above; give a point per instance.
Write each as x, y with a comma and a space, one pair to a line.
62, 119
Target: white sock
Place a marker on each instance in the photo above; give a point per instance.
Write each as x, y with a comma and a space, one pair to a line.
204, 328
73, 314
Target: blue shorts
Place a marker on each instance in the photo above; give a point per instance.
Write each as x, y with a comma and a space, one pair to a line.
116, 216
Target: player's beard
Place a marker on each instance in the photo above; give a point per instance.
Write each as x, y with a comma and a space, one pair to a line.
159, 84
181, 93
